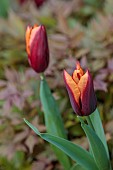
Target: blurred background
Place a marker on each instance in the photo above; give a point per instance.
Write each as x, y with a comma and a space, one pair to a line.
77, 30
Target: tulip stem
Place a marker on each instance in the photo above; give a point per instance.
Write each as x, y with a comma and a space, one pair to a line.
42, 76
89, 122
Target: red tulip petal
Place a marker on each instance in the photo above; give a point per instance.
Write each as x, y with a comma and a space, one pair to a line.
73, 92
88, 98
39, 52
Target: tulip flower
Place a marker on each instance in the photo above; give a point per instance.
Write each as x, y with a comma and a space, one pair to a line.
37, 48
22, 1
81, 91
37, 2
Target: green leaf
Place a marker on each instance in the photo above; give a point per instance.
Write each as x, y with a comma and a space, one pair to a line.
97, 148
97, 124
18, 159
94, 3
53, 120
77, 153
4, 7
77, 167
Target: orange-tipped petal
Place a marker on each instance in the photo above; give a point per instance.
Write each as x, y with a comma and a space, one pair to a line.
34, 33
73, 92
88, 98
78, 73
75, 76
27, 36
78, 67
36, 25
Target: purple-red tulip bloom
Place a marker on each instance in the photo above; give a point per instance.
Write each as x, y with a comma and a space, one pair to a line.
37, 48
81, 91
37, 2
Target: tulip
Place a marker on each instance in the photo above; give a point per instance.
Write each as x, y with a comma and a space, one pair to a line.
37, 2
37, 48
81, 91
22, 1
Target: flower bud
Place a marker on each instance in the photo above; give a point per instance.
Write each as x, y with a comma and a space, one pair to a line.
81, 91
37, 2
37, 48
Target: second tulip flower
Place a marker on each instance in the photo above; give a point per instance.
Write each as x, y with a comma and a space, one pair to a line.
81, 91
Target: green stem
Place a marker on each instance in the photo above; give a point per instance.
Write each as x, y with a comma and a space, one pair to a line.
41, 76
53, 120
89, 122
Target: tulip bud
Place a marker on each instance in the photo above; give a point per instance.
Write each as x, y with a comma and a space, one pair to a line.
81, 91
37, 48
39, 2
22, 1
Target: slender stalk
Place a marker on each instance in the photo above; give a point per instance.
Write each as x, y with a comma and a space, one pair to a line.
41, 76
53, 120
89, 122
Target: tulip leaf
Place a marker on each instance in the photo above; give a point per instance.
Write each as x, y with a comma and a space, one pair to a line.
97, 125
53, 120
77, 153
97, 147
77, 167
